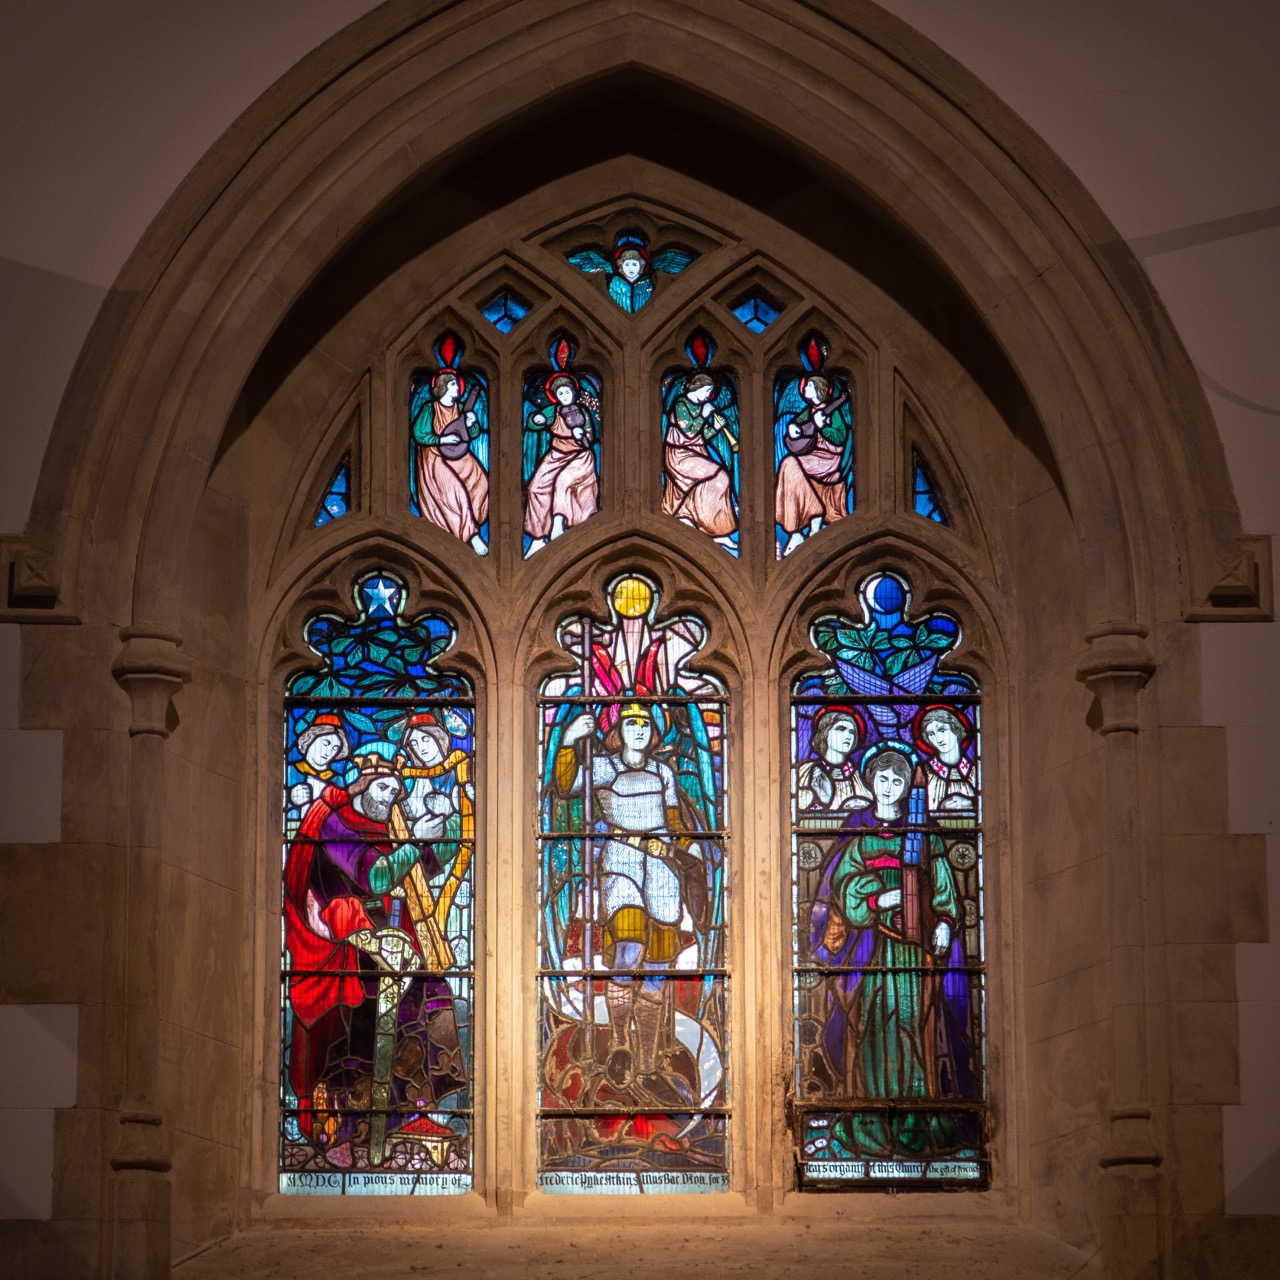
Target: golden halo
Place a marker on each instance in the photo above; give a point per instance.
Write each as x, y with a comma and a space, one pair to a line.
632, 597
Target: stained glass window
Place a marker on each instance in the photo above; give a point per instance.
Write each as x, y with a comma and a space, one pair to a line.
700, 432
561, 416
633, 853
629, 268
378, 931
886, 815
813, 420
757, 310
504, 310
337, 497
925, 492
449, 446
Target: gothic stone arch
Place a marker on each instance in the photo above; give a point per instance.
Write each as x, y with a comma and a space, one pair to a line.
126, 540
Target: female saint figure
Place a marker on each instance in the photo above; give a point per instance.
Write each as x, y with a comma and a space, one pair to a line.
563, 486
887, 908
699, 458
942, 735
828, 782
450, 427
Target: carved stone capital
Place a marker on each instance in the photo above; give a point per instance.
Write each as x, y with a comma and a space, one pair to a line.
1130, 1141
143, 1143
1116, 668
150, 670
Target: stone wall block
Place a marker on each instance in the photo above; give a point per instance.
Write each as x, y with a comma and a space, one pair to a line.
1068, 920
1215, 888
51, 697
79, 1166
205, 1185
1205, 1062
1193, 779
1064, 1177
1195, 1144
1064, 1003
95, 787
1066, 830
202, 988
1067, 1089
199, 1094
46, 885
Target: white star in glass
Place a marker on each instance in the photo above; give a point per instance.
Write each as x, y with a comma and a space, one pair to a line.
382, 596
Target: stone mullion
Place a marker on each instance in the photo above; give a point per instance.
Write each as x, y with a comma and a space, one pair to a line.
1116, 669
151, 672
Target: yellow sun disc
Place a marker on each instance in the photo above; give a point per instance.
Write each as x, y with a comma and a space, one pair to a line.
632, 597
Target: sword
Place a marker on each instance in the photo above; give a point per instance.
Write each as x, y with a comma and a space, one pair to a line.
384, 1042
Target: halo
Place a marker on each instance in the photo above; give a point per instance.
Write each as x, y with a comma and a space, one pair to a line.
632, 597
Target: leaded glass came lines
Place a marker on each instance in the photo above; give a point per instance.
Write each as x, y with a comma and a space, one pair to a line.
378, 936
633, 853
888, 952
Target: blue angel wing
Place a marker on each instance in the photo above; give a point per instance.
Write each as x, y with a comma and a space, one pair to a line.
787, 402
726, 407
537, 438
625, 295
480, 445
671, 260
590, 261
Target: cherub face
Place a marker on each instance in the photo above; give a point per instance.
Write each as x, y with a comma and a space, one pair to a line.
701, 394
631, 267
565, 393
323, 749
447, 391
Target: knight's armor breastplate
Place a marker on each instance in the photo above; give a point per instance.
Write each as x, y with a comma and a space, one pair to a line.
633, 801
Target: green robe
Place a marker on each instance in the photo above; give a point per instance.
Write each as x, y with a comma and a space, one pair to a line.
893, 1013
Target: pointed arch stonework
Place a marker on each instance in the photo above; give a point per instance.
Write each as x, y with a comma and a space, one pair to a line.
1099, 523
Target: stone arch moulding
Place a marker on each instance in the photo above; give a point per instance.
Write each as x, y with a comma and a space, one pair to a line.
1082, 327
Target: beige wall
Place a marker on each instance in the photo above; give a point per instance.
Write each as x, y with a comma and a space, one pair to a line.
1167, 112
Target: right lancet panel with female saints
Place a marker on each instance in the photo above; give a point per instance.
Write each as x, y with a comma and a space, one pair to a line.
889, 962
632, 837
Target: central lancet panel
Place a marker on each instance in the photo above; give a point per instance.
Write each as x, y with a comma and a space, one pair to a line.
633, 854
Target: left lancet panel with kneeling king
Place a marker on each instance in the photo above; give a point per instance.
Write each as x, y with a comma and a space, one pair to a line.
378, 924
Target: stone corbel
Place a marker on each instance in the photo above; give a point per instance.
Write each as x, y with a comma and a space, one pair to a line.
151, 672
1115, 670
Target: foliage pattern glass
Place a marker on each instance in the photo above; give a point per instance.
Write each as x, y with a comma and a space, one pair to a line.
449, 446
886, 856
561, 459
700, 433
378, 928
813, 421
633, 845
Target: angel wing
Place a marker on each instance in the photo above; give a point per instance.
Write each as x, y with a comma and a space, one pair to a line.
537, 439
671, 260
787, 403
590, 260
726, 407
480, 444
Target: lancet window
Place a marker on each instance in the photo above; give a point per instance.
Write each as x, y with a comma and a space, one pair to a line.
633, 864
377, 938
888, 948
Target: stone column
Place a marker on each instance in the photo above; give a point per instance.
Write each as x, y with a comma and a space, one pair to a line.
150, 670
1115, 669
